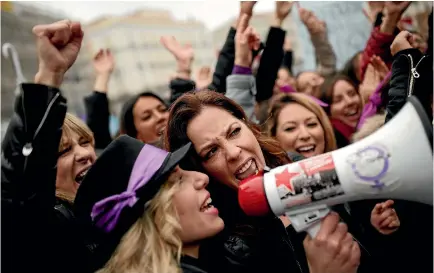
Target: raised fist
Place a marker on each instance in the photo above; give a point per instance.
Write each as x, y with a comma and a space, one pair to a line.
58, 45
402, 41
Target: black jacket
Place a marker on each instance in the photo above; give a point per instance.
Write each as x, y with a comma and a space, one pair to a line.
98, 118
38, 233
191, 265
404, 82
412, 245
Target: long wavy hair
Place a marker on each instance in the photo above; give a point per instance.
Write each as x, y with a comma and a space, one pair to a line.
190, 105
284, 99
72, 125
152, 244
330, 86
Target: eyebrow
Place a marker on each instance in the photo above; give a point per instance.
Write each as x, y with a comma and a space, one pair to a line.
307, 119
225, 132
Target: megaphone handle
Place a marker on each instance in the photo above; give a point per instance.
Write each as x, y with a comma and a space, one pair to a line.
314, 229
308, 220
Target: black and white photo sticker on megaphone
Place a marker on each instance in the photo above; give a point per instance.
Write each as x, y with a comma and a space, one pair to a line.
395, 162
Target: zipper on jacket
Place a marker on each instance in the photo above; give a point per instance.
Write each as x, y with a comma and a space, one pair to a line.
28, 148
414, 74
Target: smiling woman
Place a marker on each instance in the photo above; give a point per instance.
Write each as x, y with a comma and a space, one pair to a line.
144, 117
345, 108
300, 125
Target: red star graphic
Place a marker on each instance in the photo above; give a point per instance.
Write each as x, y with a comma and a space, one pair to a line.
284, 178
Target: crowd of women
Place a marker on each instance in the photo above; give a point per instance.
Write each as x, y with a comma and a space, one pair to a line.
161, 197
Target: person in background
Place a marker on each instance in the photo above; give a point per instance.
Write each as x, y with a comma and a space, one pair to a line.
352, 68
143, 116
148, 214
310, 82
300, 125
97, 104
345, 108
45, 155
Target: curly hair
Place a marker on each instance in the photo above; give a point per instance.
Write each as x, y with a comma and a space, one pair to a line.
152, 244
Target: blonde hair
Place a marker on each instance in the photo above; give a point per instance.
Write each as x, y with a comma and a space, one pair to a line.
282, 100
72, 125
152, 244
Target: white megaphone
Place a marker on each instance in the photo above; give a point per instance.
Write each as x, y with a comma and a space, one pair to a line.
395, 162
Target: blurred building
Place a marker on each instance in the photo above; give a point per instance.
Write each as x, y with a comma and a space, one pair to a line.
261, 21
142, 63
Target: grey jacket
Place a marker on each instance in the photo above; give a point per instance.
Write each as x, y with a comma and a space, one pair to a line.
242, 90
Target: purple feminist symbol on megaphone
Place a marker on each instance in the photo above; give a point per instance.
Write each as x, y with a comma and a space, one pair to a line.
370, 164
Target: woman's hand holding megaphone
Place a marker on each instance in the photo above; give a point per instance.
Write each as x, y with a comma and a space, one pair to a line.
384, 218
333, 249
58, 45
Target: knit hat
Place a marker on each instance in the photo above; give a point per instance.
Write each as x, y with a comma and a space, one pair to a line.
116, 188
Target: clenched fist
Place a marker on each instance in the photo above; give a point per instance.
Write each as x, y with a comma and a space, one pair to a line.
58, 45
402, 41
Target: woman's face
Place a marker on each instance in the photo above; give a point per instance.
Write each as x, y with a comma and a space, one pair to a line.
346, 104
310, 83
150, 118
75, 159
198, 218
299, 130
283, 78
228, 149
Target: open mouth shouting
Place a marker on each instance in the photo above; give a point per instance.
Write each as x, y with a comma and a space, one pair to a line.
81, 174
208, 207
247, 169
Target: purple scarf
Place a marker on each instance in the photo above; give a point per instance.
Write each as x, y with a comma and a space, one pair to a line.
289, 89
374, 102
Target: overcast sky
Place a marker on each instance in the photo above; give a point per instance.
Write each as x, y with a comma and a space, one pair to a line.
211, 12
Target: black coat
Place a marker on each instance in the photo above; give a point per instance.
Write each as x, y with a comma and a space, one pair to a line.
403, 83
38, 231
191, 265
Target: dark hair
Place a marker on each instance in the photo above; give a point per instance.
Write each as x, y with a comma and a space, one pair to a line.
127, 118
329, 88
188, 106
350, 67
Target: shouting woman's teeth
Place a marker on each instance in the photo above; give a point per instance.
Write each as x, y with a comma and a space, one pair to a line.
248, 169
207, 205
